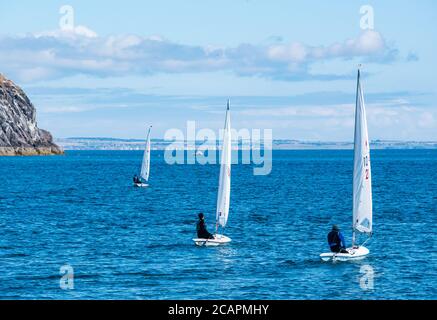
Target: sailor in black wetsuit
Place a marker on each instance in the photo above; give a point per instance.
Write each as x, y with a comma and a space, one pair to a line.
336, 240
202, 232
136, 179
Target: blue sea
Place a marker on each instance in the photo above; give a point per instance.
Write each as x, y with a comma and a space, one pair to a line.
120, 242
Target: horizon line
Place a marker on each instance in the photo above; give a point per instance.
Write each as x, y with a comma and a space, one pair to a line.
278, 139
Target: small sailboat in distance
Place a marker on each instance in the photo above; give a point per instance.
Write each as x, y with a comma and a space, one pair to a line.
362, 185
145, 165
224, 189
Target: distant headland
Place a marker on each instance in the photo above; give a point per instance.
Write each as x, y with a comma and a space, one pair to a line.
105, 143
19, 133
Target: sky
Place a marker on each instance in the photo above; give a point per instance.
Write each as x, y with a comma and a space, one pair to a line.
112, 68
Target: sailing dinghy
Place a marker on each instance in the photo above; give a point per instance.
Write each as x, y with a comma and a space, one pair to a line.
362, 185
145, 165
224, 189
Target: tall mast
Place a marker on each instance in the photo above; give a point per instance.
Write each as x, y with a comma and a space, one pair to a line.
223, 193
145, 165
355, 133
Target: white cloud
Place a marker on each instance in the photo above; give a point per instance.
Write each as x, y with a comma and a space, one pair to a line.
80, 50
368, 43
35, 73
426, 120
78, 31
296, 52
307, 111
389, 119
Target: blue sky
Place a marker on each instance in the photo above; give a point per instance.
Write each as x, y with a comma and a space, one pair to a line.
289, 66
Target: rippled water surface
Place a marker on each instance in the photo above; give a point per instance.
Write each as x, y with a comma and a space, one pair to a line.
128, 243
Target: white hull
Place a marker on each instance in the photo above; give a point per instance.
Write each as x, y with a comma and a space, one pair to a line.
355, 253
141, 185
218, 240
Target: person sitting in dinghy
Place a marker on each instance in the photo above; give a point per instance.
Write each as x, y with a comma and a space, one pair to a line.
202, 232
136, 179
336, 240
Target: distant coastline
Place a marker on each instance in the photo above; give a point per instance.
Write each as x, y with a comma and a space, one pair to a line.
105, 143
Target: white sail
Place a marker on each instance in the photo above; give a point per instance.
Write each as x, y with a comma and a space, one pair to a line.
224, 190
145, 166
362, 178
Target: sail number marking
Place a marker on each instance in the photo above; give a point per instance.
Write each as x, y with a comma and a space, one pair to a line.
366, 165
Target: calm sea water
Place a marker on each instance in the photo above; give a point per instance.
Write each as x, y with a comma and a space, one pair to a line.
127, 243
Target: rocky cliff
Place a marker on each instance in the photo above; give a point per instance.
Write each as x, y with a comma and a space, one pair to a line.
19, 134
